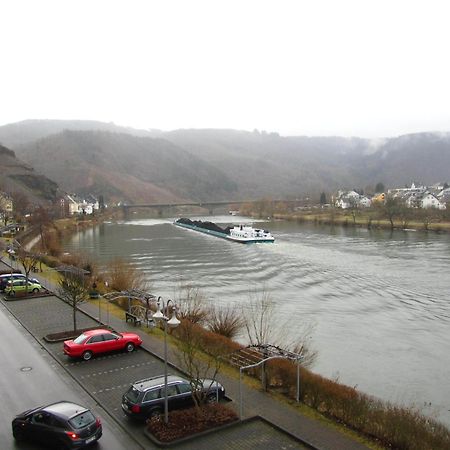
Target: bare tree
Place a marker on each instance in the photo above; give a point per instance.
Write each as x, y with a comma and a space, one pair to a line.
41, 219
28, 261
200, 359
354, 208
74, 289
21, 203
191, 303
392, 208
264, 325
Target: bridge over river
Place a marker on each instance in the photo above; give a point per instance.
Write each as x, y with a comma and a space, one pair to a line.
209, 205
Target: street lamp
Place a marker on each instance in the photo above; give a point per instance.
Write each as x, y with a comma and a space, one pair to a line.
173, 322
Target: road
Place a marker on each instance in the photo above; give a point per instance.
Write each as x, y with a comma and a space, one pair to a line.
30, 377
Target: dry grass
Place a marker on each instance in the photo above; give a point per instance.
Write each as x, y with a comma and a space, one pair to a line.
226, 321
121, 276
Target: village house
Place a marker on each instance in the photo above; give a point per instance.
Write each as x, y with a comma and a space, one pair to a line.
431, 201
414, 196
351, 199
72, 204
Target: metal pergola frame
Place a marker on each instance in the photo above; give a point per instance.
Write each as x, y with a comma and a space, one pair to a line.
257, 355
136, 294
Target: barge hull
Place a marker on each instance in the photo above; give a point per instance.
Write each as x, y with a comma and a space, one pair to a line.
222, 235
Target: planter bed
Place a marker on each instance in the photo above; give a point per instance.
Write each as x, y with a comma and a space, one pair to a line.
190, 423
66, 335
11, 298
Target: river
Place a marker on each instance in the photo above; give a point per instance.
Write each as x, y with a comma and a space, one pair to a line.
378, 301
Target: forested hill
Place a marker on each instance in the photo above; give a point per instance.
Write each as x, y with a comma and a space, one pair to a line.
148, 165
22, 182
127, 168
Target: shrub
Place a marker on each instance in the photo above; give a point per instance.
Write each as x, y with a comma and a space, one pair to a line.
226, 321
122, 276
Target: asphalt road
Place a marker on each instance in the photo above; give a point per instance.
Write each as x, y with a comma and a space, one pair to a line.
30, 377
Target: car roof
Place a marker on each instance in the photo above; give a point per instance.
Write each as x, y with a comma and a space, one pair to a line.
97, 331
65, 409
149, 383
8, 275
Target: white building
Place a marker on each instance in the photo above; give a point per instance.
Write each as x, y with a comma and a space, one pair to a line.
431, 201
82, 206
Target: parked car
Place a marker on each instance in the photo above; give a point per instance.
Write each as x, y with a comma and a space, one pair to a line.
20, 287
62, 425
6, 278
94, 342
145, 398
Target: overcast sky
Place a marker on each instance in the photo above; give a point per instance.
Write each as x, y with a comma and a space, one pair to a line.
315, 67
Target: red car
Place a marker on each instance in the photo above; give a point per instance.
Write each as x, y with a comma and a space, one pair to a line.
94, 342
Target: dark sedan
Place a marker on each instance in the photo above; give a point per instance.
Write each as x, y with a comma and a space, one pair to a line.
63, 425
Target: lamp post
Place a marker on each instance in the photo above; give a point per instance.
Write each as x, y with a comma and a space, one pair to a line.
173, 322
11, 253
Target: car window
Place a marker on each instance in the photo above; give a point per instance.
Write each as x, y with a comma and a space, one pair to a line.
133, 394
95, 339
42, 418
80, 339
152, 395
82, 420
171, 390
110, 337
184, 387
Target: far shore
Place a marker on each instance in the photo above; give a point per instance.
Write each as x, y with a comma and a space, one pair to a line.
363, 220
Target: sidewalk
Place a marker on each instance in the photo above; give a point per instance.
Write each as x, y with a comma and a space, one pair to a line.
255, 402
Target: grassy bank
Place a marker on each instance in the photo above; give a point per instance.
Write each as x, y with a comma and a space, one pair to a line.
364, 219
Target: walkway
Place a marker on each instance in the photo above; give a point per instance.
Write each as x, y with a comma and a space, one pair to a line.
255, 402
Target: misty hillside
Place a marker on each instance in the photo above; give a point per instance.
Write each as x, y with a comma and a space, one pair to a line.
20, 133
124, 167
18, 178
153, 166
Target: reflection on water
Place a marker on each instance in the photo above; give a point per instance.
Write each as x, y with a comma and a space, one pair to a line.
379, 300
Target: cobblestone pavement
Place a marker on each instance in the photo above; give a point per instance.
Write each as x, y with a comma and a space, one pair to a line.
107, 377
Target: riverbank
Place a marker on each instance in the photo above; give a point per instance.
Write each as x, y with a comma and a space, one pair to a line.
369, 220
399, 286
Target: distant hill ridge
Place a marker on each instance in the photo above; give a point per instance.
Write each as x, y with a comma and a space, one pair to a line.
151, 166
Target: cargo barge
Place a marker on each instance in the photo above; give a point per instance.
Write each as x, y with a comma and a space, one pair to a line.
244, 234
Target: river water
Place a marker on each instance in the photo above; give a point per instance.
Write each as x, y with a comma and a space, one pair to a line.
378, 301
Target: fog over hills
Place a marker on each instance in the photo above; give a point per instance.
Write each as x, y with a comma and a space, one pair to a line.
154, 166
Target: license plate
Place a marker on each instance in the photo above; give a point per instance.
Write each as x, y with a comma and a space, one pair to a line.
91, 439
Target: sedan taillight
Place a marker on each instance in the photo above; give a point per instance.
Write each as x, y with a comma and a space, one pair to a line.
98, 423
